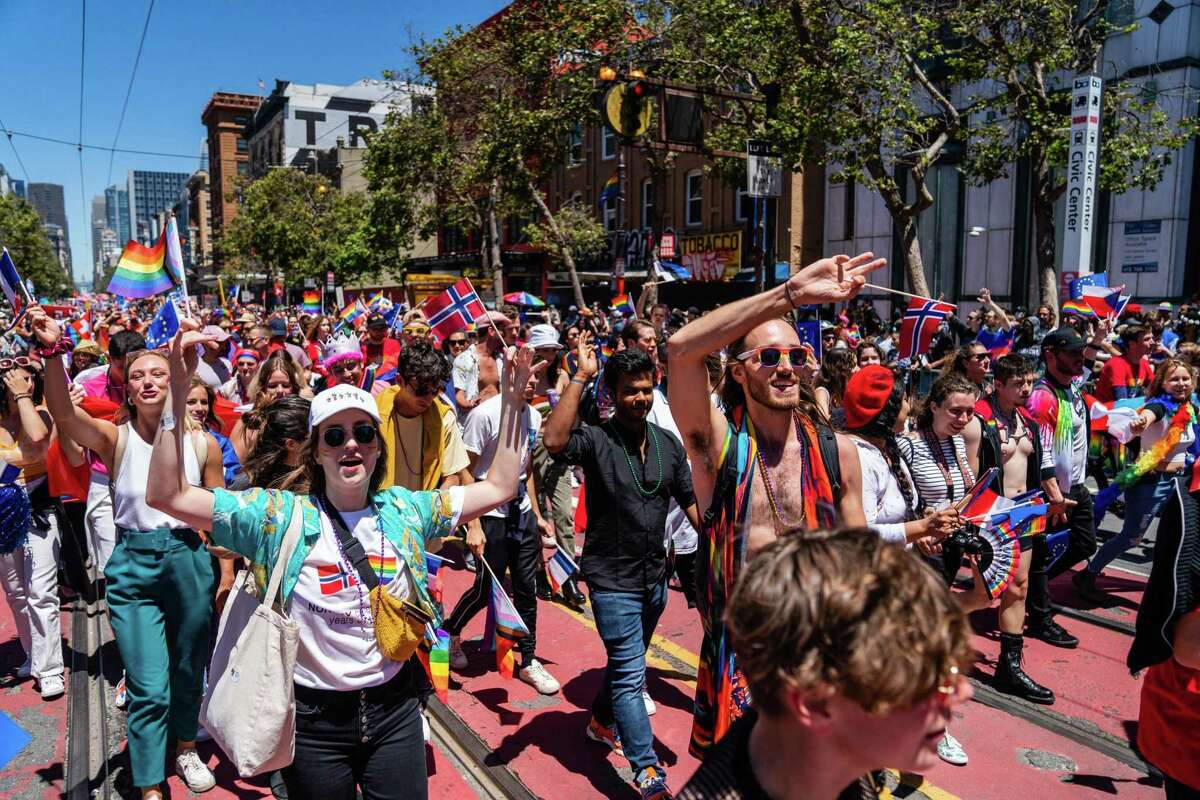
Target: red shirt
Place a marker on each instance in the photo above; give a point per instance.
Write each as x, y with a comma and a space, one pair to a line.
1118, 374
386, 355
1169, 722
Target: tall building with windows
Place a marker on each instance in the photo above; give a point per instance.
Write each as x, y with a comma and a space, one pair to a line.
116, 205
149, 194
99, 222
47, 200
226, 118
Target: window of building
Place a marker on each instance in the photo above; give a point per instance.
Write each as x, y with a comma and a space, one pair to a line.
608, 143
610, 215
243, 146
743, 204
575, 146
693, 192
241, 119
243, 168
647, 203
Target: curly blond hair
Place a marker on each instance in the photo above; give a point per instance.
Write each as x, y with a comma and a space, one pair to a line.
843, 612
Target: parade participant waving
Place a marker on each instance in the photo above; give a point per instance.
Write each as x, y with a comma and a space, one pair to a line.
767, 428
358, 712
1168, 428
159, 577
632, 469
30, 571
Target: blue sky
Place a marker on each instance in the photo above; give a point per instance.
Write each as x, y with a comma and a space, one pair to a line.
191, 50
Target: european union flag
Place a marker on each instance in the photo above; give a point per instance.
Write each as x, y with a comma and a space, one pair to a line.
810, 334
164, 325
1057, 542
1094, 279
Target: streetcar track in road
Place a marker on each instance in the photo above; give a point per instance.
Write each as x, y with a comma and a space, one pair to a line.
1091, 618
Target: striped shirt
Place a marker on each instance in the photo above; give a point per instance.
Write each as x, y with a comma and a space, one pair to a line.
927, 465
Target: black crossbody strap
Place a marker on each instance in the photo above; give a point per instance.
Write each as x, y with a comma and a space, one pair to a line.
351, 547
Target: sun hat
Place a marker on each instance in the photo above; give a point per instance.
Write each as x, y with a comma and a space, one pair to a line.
341, 398
867, 392
543, 336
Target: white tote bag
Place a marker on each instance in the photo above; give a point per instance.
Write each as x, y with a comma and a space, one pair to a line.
250, 706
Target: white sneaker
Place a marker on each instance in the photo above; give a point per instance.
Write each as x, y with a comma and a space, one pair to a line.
650, 707
193, 772
52, 686
950, 751
202, 734
26, 669
458, 659
536, 676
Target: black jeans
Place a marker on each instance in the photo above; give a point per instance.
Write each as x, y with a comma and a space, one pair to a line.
1081, 544
514, 546
369, 740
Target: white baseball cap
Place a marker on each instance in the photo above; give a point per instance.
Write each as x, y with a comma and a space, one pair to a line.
543, 336
341, 398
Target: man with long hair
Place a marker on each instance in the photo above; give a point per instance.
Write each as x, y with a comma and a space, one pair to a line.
763, 463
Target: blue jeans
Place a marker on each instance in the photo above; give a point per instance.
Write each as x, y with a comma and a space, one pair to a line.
626, 622
1142, 502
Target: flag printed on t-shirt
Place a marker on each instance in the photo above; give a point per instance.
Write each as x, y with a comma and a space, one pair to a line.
385, 567
333, 578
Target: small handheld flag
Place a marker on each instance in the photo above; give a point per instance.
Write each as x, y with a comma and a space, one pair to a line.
998, 343
920, 322
14, 288
559, 569
453, 309
504, 627
164, 325
140, 272
810, 337
434, 653
622, 304
1079, 308
312, 302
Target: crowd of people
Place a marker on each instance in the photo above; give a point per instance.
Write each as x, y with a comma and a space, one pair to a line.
808, 500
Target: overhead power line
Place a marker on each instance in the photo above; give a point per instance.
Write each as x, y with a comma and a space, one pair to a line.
10, 133
128, 92
13, 145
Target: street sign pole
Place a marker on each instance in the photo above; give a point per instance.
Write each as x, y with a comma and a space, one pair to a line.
1082, 165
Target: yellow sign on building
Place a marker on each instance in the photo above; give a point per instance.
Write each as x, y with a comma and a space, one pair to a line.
711, 256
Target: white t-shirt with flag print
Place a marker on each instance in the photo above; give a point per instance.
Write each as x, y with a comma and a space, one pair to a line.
333, 610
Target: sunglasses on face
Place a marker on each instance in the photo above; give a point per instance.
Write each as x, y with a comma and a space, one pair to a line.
770, 357
363, 433
457, 342
981, 357
23, 362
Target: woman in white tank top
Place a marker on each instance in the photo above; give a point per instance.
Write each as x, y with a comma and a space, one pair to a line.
160, 575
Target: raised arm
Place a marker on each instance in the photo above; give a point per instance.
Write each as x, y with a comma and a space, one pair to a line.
168, 490
985, 297
503, 475
701, 426
34, 421
97, 435
557, 429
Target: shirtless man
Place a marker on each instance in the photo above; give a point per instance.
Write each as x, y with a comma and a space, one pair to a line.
1004, 435
768, 440
477, 369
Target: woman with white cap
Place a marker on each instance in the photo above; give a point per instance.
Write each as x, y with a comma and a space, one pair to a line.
358, 720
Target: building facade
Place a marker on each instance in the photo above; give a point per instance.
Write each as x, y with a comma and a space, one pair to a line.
99, 222
149, 194
10, 185
47, 200
194, 218
116, 205
977, 236
226, 118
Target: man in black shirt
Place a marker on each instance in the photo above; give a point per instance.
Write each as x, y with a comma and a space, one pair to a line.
632, 469
804, 618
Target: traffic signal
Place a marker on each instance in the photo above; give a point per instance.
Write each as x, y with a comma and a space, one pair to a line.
625, 107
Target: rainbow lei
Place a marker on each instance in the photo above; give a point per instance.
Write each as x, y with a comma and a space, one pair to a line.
1182, 414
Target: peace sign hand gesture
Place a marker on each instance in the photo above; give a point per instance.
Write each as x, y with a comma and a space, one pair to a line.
832, 280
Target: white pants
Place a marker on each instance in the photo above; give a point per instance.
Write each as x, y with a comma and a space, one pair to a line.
30, 578
98, 520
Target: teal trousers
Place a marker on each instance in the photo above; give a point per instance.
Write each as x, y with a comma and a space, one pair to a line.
160, 590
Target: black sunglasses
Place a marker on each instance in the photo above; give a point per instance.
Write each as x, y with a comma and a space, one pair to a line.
363, 433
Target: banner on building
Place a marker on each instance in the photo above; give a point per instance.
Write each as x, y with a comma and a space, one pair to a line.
711, 256
1082, 165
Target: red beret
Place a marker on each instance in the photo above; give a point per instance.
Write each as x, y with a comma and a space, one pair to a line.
867, 392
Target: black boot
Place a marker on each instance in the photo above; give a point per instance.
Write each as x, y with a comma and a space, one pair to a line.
1011, 679
572, 595
1084, 582
544, 592
1050, 632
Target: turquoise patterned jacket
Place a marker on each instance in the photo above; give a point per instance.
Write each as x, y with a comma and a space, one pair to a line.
252, 523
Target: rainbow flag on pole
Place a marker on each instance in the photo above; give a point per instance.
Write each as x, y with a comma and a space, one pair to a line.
1080, 308
622, 304
503, 628
312, 302
434, 653
351, 312
559, 569
610, 190
140, 272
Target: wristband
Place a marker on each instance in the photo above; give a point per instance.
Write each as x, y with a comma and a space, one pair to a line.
787, 289
63, 346
581, 383
22, 397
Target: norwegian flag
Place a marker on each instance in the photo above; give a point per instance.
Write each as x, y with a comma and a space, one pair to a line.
453, 310
920, 322
333, 578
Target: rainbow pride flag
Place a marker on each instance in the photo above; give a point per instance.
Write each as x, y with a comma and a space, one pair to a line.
312, 302
610, 190
140, 272
1080, 308
385, 568
351, 313
434, 653
376, 301
622, 304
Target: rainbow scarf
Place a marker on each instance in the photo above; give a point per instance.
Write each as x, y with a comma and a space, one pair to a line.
1183, 415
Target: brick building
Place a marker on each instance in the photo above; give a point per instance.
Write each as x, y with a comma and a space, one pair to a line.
226, 117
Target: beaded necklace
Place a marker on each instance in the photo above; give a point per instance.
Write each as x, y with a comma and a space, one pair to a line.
365, 619
780, 520
633, 469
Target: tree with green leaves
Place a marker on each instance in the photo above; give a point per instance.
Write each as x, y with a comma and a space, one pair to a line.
294, 225
22, 233
1029, 51
508, 94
